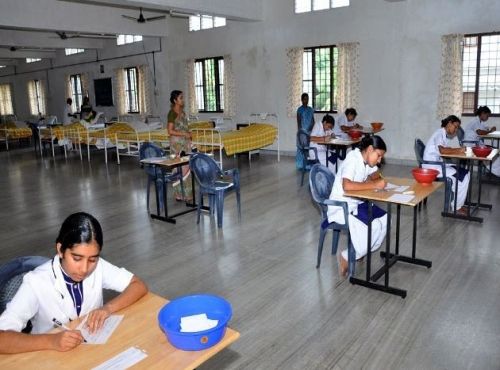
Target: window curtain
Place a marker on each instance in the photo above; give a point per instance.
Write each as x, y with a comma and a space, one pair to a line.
348, 76
119, 91
43, 97
69, 91
229, 88
6, 106
294, 76
34, 108
145, 90
191, 89
450, 84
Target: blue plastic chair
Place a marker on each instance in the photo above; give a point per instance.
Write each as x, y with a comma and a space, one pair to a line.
150, 150
461, 135
215, 183
11, 276
303, 141
321, 183
419, 148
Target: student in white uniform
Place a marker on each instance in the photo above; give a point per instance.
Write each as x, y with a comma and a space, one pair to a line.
68, 112
359, 171
439, 144
477, 127
345, 122
66, 288
320, 131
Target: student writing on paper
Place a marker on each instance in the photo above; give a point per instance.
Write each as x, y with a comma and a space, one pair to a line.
321, 131
438, 144
359, 171
345, 122
65, 288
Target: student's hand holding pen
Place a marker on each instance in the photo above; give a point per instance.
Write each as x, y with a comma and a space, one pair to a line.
67, 339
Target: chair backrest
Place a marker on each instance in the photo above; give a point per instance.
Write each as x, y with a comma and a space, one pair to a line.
419, 148
11, 276
321, 183
460, 134
303, 140
150, 150
205, 169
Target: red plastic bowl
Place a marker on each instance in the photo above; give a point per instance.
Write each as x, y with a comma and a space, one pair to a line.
481, 151
424, 176
355, 134
376, 126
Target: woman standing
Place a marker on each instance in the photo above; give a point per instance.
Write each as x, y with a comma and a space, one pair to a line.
305, 122
180, 141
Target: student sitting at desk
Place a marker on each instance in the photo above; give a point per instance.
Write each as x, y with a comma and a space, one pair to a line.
345, 122
439, 144
66, 288
320, 132
359, 171
477, 127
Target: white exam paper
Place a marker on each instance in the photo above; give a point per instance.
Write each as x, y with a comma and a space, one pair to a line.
492, 154
123, 360
102, 335
396, 188
400, 198
195, 323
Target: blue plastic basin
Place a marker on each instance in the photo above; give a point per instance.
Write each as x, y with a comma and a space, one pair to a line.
216, 308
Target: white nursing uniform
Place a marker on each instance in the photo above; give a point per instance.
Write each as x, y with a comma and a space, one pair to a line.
355, 169
67, 119
431, 153
43, 295
471, 134
318, 130
342, 121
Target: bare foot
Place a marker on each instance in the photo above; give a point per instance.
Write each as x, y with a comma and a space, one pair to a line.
343, 266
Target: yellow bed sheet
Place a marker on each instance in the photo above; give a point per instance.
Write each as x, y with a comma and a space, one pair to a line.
10, 130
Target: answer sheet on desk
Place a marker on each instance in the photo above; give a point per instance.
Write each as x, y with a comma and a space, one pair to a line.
400, 198
124, 360
102, 335
396, 188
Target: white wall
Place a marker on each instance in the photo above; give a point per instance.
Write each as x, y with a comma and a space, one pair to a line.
400, 52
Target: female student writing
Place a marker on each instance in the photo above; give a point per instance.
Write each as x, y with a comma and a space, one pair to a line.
345, 122
359, 171
320, 131
66, 288
439, 144
477, 127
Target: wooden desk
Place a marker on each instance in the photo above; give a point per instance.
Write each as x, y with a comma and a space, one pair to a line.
139, 328
337, 145
164, 164
473, 207
421, 192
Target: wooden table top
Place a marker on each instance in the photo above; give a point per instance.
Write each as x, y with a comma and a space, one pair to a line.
337, 141
420, 191
139, 328
472, 157
166, 162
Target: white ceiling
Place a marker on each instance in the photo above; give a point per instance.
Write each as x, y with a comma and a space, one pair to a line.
33, 23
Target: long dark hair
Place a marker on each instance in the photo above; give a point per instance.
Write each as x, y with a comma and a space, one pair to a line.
174, 95
375, 141
450, 118
79, 228
481, 110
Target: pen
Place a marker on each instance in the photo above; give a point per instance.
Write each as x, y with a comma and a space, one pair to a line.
61, 325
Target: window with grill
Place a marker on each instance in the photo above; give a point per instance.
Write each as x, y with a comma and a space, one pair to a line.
37, 97
127, 39
204, 22
305, 6
131, 93
71, 51
76, 92
209, 84
319, 77
481, 73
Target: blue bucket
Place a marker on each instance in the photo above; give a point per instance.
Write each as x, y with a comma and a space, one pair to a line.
216, 308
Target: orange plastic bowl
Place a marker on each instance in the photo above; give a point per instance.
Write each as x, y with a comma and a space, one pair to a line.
376, 125
424, 176
355, 134
481, 151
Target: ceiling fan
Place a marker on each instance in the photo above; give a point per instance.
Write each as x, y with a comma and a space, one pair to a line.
64, 36
142, 19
